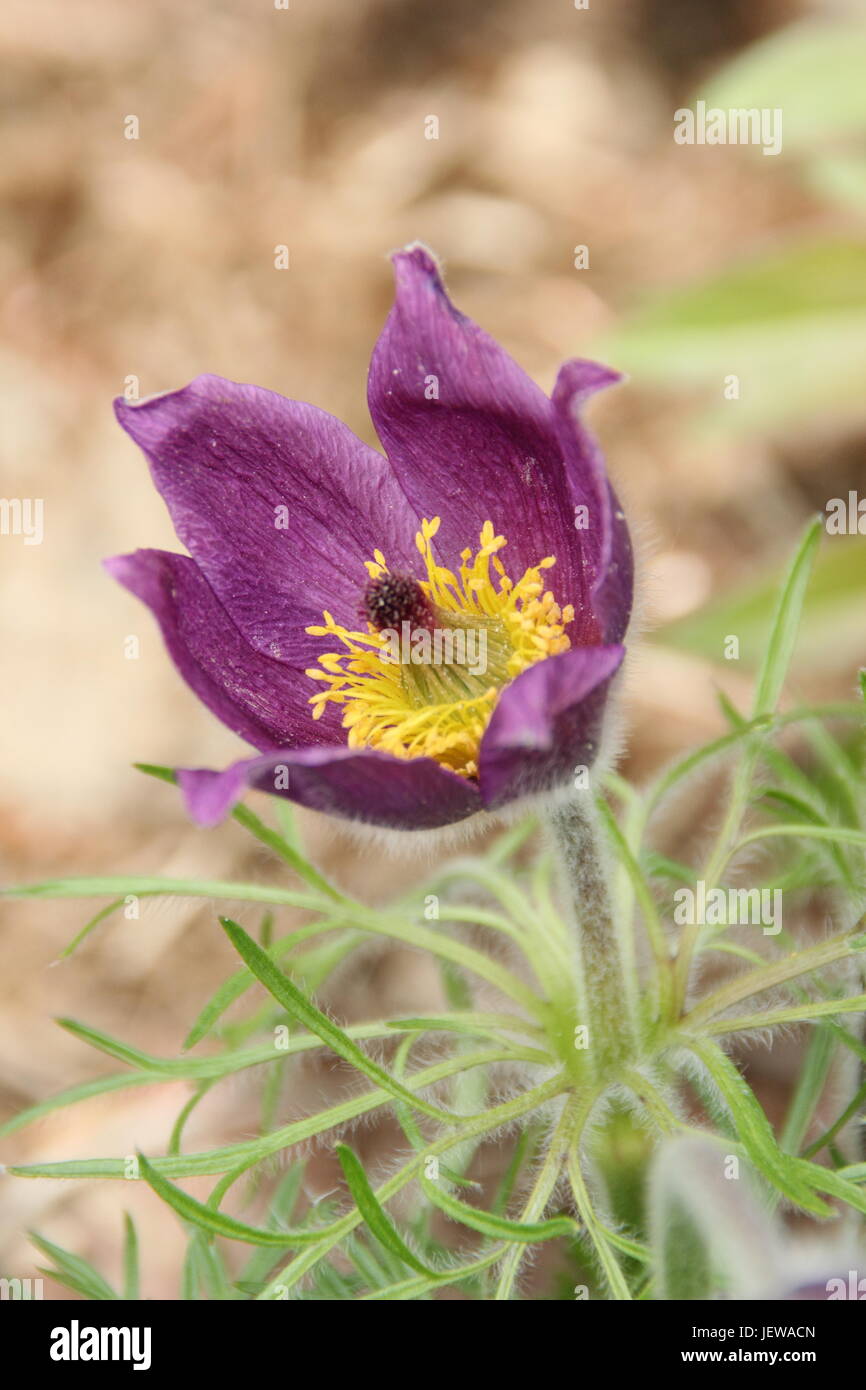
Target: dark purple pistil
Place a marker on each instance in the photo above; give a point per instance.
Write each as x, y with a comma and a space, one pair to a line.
394, 599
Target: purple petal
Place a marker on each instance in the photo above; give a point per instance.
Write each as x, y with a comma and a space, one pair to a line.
360, 784
226, 458
546, 724
262, 700
605, 541
612, 598
486, 449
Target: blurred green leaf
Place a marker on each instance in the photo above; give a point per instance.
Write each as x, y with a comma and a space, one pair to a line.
683, 1259
839, 177
833, 603
204, 1276
73, 1272
790, 324
813, 70
786, 624
131, 1277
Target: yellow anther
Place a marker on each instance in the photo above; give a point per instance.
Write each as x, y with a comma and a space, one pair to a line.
440, 710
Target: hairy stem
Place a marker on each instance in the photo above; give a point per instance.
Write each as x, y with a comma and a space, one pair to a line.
576, 832
494, 1119
541, 1193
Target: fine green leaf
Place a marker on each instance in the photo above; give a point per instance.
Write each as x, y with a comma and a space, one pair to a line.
131, 1274
75, 1094
287, 850
225, 1063
148, 886
218, 1223
852, 1109
419, 1287
754, 1130
498, 1227
73, 1271
786, 622
807, 1093
796, 1013
250, 1151
232, 988
835, 1184
373, 1213
293, 1001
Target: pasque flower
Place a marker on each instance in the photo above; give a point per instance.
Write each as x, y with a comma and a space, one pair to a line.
326, 606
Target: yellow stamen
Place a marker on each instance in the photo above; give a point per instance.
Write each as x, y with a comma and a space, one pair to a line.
416, 706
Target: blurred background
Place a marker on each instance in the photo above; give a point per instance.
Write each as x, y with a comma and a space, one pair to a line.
569, 223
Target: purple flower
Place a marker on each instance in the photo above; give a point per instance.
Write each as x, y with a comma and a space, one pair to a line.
407, 639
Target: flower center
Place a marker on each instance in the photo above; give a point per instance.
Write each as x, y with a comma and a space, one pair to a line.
424, 678
392, 599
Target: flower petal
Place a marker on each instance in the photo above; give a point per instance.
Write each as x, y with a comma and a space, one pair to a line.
605, 539
262, 700
359, 784
484, 446
226, 459
546, 724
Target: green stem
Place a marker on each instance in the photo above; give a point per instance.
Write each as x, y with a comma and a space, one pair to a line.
775, 973
715, 866
541, 1193
596, 1231
609, 989
655, 1103
484, 1124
